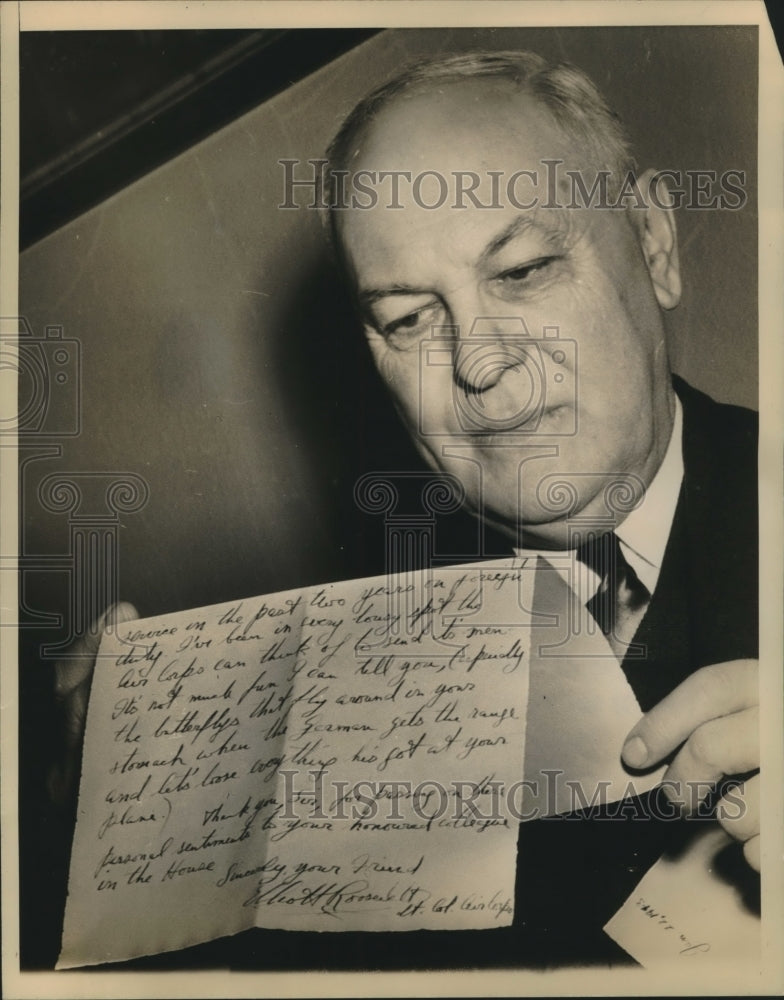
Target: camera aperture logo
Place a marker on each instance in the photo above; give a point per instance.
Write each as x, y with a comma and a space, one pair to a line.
47, 372
504, 380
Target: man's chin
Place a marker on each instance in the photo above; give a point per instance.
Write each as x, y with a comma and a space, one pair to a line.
515, 524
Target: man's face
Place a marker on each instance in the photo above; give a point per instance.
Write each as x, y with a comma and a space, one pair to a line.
578, 394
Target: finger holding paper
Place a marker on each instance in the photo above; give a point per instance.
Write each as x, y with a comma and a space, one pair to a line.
713, 718
73, 677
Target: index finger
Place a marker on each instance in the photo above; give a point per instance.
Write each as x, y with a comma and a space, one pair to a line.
709, 693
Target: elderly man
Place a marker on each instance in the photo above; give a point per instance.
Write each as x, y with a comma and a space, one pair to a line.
600, 273
489, 202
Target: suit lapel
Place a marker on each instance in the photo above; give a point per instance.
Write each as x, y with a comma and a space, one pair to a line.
704, 608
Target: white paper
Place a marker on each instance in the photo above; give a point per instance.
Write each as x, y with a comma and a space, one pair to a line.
685, 911
581, 708
217, 741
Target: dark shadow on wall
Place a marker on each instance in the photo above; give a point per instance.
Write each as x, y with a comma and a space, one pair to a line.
338, 406
341, 407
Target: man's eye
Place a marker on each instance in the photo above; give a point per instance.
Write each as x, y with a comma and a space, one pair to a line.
526, 273
411, 326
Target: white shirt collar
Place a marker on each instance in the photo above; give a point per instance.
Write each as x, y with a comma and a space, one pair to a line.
643, 534
646, 529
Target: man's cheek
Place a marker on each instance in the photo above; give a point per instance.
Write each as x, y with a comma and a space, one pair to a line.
387, 362
400, 372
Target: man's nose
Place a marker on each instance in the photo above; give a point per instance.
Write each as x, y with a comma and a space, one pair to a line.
486, 347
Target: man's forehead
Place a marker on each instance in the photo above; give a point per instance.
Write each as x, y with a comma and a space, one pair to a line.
463, 167
462, 124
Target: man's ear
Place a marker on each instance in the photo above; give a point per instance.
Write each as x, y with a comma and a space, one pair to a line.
658, 238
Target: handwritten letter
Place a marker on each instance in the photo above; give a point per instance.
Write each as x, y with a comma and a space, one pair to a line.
320, 759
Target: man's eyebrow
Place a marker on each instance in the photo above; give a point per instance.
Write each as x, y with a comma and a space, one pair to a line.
370, 295
519, 225
516, 228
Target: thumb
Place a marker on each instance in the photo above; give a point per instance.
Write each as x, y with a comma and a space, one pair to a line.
76, 666
72, 686
709, 693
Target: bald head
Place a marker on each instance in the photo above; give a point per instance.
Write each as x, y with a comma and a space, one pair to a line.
563, 92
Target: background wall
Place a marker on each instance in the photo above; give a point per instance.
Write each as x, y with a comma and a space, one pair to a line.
219, 362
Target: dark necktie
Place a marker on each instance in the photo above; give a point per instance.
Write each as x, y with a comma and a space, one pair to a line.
619, 604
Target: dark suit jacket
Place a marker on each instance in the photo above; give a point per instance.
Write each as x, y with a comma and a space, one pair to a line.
704, 610
575, 872
705, 607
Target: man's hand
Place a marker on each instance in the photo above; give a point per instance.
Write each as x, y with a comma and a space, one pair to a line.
73, 676
714, 713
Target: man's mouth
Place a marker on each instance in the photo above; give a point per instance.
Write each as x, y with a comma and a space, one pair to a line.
529, 421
